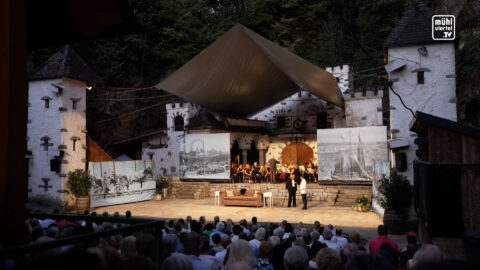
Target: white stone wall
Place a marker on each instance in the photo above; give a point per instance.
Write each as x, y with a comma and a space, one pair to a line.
168, 158
304, 106
363, 111
59, 122
161, 159
74, 121
43, 122
436, 96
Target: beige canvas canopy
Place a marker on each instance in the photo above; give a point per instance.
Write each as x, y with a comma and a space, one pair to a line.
242, 73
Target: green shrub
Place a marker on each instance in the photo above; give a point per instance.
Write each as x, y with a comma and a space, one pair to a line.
362, 199
79, 182
395, 193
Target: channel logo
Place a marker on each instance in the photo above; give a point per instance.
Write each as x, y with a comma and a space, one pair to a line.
443, 27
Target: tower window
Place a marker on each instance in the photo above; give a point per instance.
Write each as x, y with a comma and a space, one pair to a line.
74, 142
74, 102
322, 120
420, 77
47, 101
178, 123
281, 121
45, 143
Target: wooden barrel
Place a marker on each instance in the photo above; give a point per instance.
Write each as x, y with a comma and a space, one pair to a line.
82, 204
395, 222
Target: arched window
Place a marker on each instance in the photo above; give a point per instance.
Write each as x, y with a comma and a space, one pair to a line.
178, 123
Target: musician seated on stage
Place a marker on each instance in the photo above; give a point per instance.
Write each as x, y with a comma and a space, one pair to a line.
247, 171
239, 174
257, 177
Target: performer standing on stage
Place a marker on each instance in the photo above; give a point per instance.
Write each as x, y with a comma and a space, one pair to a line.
303, 192
292, 190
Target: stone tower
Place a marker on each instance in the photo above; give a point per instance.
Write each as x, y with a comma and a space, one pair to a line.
56, 127
422, 73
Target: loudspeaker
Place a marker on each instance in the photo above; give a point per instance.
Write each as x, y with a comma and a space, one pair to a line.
55, 165
401, 161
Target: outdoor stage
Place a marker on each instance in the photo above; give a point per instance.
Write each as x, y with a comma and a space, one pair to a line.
343, 217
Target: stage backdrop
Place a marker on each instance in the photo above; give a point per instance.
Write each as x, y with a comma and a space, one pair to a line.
121, 182
350, 153
205, 156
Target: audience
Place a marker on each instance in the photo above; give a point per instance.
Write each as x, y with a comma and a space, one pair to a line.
197, 244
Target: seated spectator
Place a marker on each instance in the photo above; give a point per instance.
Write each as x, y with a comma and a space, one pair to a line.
191, 245
288, 231
327, 236
407, 252
236, 230
128, 214
426, 253
206, 252
144, 245
208, 229
387, 251
127, 247
375, 243
278, 232
244, 225
169, 242
240, 251
295, 258
274, 240
177, 261
264, 253
355, 239
342, 241
217, 241
220, 256
328, 259
259, 237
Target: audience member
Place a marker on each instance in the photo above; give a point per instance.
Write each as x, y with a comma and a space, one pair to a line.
177, 261
327, 236
407, 252
327, 259
191, 245
295, 258
240, 251
264, 254
375, 243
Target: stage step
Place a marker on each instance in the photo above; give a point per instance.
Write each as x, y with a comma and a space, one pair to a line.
193, 190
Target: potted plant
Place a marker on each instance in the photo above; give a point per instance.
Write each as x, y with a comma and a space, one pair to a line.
79, 183
395, 197
361, 203
164, 185
158, 194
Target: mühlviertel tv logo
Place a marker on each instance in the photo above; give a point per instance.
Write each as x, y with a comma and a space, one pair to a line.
443, 27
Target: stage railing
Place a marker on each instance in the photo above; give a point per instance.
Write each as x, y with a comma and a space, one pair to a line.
134, 225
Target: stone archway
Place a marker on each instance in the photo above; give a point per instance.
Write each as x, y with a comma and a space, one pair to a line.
297, 152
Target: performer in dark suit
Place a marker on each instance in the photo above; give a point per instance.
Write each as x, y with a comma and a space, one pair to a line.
291, 186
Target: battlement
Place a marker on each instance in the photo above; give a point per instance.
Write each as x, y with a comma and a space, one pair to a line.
180, 105
343, 75
359, 93
338, 69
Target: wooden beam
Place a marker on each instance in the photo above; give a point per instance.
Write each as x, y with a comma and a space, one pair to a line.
13, 121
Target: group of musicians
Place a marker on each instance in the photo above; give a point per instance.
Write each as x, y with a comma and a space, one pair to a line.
280, 173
